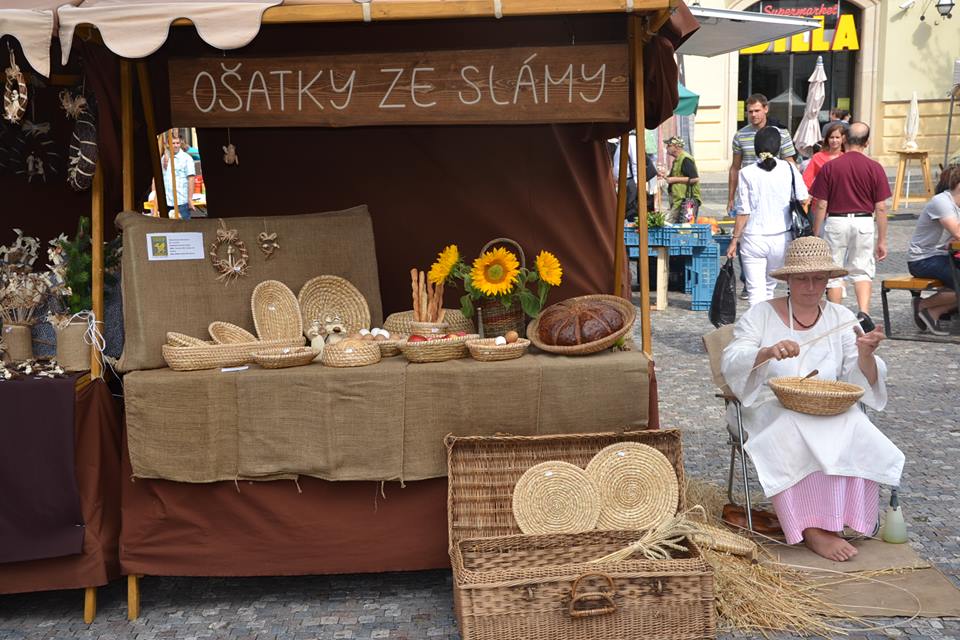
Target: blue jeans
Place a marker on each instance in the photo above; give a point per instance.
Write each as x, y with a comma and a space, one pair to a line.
938, 267
184, 211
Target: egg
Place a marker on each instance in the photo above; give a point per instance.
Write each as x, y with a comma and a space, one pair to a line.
364, 332
385, 333
500, 340
368, 336
511, 336
376, 331
379, 337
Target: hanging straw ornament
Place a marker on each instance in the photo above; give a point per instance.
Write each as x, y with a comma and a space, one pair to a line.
230, 152
267, 241
82, 160
39, 158
235, 264
14, 92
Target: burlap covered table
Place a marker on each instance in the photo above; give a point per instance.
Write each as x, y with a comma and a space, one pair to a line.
382, 422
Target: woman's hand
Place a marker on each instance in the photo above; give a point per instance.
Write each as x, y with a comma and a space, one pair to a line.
867, 343
781, 350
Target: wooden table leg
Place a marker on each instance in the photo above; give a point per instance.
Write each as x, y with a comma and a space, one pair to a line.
927, 176
133, 597
89, 604
898, 184
663, 271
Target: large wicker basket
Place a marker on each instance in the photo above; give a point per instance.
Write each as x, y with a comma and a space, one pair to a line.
545, 587
813, 396
629, 316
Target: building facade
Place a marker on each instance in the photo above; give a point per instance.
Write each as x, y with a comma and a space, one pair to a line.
875, 53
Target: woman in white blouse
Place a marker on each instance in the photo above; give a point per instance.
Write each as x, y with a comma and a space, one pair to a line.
762, 230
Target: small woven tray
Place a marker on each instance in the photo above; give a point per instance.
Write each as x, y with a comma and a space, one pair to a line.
437, 350
333, 296
213, 356
391, 346
486, 349
284, 357
429, 328
227, 333
401, 322
813, 396
176, 339
629, 316
276, 314
351, 353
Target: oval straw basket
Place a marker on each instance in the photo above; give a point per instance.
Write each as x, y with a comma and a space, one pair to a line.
429, 328
391, 346
815, 397
401, 322
227, 333
213, 356
176, 339
351, 353
276, 314
438, 350
629, 315
284, 357
486, 349
336, 297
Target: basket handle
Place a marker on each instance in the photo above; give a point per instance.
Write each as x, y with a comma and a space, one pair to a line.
598, 603
516, 245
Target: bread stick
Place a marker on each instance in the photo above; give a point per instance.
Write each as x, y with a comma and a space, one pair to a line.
416, 301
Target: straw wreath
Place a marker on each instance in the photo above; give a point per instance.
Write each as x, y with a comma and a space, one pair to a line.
555, 497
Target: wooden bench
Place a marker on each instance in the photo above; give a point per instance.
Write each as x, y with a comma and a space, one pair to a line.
904, 283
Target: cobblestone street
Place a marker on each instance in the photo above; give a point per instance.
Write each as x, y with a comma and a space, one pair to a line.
920, 419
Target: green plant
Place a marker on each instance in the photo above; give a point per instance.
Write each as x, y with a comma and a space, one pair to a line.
656, 219
72, 261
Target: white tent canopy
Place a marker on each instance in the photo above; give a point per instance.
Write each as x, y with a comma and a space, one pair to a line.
32, 23
725, 30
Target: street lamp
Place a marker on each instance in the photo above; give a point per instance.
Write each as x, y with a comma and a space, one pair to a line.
944, 7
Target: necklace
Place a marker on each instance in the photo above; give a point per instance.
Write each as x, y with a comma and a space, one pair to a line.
806, 326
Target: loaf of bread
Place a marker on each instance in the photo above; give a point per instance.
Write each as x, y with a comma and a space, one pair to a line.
575, 322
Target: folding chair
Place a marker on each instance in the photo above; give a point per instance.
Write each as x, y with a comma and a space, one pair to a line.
715, 342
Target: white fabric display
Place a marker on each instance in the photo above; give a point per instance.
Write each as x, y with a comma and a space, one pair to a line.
786, 446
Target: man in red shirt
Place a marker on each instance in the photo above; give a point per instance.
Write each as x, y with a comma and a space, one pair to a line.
851, 193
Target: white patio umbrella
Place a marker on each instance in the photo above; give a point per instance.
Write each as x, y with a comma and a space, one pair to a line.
911, 127
808, 133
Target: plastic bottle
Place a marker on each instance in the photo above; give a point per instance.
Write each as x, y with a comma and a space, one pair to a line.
894, 528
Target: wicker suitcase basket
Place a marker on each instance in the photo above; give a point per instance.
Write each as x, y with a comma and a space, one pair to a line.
509, 585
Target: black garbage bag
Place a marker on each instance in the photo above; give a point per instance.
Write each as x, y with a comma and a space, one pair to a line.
723, 305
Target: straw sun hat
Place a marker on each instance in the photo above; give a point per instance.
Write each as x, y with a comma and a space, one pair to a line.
808, 255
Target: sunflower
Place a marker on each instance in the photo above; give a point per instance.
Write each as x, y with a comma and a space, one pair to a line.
446, 259
494, 272
549, 269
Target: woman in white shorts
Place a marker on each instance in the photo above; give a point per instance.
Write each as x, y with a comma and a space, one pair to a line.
762, 229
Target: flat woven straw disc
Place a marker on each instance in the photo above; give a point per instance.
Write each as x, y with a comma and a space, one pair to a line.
555, 497
276, 315
638, 486
336, 297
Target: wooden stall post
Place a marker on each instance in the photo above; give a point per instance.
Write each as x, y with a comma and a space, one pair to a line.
96, 263
173, 174
618, 243
146, 101
133, 597
89, 604
126, 140
643, 267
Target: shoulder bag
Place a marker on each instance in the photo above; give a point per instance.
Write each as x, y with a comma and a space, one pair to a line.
800, 224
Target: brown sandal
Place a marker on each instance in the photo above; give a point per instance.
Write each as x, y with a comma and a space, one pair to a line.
763, 521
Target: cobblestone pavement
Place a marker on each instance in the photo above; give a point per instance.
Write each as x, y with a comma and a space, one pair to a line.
920, 418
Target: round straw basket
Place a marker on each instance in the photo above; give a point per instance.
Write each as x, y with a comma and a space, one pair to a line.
175, 339
638, 486
555, 497
351, 353
486, 349
400, 322
73, 353
719, 539
284, 357
19, 339
226, 333
391, 346
213, 356
438, 350
276, 314
335, 297
815, 397
428, 328
629, 315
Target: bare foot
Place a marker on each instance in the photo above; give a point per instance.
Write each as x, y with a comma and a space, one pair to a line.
828, 544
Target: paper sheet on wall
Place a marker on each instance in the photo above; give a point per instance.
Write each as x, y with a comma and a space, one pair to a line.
175, 246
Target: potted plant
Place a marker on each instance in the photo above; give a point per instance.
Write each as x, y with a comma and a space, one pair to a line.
497, 284
22, 295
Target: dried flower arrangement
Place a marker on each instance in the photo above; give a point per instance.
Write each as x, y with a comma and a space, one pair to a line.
23, 292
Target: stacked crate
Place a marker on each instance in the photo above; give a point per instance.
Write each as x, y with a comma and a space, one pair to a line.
695, 243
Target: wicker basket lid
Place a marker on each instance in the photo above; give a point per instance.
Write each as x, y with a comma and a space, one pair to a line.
276, 314
555, 497
637, 484
335, 297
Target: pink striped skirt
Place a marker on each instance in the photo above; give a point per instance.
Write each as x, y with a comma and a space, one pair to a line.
829, 503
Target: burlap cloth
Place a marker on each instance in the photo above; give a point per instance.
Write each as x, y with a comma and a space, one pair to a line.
382, 422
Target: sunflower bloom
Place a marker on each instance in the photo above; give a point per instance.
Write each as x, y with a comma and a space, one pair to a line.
549, 269
495, 272
446, 259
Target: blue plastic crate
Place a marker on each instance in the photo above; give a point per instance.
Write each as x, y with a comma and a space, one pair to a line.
702, 276
706, 263
723, 243
681, 236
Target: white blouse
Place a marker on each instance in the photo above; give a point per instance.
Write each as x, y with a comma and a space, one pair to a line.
786, 446
765, 197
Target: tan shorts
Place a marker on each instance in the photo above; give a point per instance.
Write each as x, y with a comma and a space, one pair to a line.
851, 241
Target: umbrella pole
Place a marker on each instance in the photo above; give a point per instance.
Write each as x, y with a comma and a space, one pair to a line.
643, 266
946, 147
173, 174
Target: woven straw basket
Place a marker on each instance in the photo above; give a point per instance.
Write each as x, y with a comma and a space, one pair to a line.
638, 487
556, 497
210, 355
402, 322
813, 396
333, 296
175, 339
276, 314
391, 346
437, 350
284, 357
351, 353
486, 349
629, 316
428, 328
710, 537
226, 333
